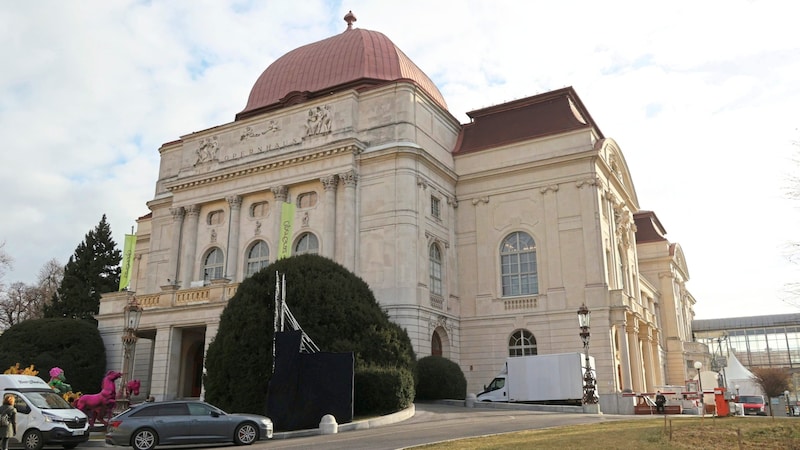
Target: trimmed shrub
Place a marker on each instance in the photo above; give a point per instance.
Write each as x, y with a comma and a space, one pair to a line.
72, 344
332, 305
439, 378
382, 390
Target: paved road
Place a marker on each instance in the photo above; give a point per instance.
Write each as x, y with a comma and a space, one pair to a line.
435, 423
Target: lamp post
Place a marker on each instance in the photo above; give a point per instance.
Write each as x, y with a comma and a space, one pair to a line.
698, 365
589, 381
132, 314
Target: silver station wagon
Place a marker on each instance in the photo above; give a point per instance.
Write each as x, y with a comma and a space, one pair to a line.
147, 425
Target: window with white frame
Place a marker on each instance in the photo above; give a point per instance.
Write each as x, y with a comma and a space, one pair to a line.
307, 243
518, 265
213, 264
435, 262
522, 343
257, 257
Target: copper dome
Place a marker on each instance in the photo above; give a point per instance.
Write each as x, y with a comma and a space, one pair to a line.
356, 58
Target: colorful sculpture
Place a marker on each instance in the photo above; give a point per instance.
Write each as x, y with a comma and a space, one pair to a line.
58, 381
132, 388
100, 406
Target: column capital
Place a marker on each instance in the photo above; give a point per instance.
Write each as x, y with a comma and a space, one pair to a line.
193, 210
178, 212
280, 193
349, 178
330, 182
235, 201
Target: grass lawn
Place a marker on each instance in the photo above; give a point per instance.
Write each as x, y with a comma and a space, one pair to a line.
674, 433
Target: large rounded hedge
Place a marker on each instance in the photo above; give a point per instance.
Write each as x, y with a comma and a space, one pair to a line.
439, 378
72, 344
332, 305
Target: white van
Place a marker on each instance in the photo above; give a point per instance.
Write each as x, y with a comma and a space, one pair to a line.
43, 416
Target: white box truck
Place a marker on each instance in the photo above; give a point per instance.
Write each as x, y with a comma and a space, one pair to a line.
43, 416
548, 379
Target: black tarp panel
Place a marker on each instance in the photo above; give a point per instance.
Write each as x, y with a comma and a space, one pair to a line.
307, 386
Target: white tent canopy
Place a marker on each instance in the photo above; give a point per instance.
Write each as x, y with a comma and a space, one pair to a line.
738, 375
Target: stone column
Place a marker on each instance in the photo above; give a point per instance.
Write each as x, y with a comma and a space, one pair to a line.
658, 374
349, 219
178, 213
636, 357
235, 202
624, 355
189, 246
329, 225
649, 371
211, 333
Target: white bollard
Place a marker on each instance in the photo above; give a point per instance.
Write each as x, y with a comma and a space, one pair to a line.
469, 402
328, 425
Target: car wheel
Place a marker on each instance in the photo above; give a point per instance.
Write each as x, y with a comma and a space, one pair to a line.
144, 439
246, 434
32, 440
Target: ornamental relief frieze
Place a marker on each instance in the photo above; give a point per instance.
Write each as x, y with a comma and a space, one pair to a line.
263, 138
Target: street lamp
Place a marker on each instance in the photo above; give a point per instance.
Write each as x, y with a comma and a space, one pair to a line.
698, 365
737, 392
132, 314
589, 382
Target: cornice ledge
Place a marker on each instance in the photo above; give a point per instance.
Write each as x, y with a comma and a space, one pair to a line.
261, 167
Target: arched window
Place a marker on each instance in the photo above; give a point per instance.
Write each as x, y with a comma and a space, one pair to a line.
436, 344
518, 265
521, 343
257, 257
435, 258
307, 243
213, 264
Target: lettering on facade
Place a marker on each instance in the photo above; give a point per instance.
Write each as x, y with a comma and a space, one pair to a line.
258, 149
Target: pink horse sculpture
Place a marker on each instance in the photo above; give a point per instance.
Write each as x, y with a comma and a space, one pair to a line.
101, 405
132, 387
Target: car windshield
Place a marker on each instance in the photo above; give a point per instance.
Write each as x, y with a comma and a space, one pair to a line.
751, 399
47, 400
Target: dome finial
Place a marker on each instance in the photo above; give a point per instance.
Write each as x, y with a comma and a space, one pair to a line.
350, 18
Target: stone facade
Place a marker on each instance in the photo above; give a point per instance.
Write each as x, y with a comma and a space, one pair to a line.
386, 182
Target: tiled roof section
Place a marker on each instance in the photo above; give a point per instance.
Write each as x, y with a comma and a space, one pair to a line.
353, 59
648, 227
529, 118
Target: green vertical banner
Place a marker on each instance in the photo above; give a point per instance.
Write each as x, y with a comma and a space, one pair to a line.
127, 261
287, 224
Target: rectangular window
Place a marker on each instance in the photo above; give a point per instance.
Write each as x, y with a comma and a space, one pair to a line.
435, 211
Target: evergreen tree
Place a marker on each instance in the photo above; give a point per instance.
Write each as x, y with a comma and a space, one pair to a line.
334, 307
91, 271
72, 345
